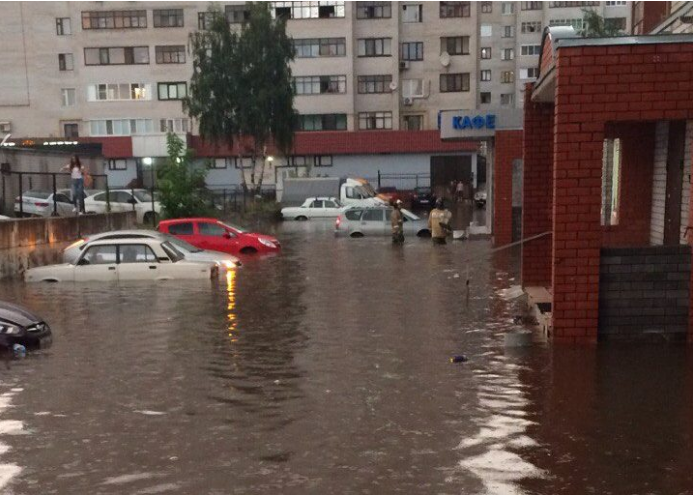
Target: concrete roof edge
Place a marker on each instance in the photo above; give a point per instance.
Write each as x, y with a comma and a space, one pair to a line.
648, 39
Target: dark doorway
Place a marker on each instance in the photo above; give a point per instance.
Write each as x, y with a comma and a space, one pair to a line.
672, 206
445, 169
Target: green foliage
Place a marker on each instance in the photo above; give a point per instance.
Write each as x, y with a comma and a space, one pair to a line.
181, 185
241, 85
597, 27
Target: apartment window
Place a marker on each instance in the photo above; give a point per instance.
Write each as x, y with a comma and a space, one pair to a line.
120, 127
117, 164
118, 92
486, 53
531, 5
507, 76
308, 10
68, 96
529, 73
374, 84
560, 5
412, 122
507, 100
174, 125
412, 51
374, 47
320, 47
455, 45
71, 130
173, 54
412, 13
65, 61
531, 27
172, 90
507, 54
413, 88
507, 8
486, 7
114, 19
237, 14
455, 9
323, 161
485, 75
615, 4
577, 23
322, 122
373, 10
615, 23
611, 181
165, 18
205, 19
454, 83
369, 121
485, 98
317, 85
530, 49
63, 26
486, 30
129, 55
508, 32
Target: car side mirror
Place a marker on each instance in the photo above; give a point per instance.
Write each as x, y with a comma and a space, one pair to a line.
132, 201
83, 262
227, 235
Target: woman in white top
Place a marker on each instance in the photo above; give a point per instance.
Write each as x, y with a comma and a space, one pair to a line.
77, 173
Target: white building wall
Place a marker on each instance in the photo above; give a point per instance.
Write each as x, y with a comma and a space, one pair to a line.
659, 184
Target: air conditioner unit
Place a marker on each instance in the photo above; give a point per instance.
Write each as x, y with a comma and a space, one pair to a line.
407, 101
404, 65
5, 127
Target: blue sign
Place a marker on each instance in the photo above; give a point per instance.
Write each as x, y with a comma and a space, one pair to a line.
474, 122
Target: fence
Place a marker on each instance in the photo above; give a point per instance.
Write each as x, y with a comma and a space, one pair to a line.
402, 181
232, 198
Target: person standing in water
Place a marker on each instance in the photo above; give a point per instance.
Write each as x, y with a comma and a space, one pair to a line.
77, 173
439, 222
397, 221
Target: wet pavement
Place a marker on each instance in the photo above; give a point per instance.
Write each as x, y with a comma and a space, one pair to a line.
326, 370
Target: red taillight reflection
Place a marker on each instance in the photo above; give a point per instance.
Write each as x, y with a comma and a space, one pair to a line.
338, 222
41, 205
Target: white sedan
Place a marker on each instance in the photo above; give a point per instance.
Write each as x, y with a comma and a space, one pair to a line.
313, 208
121, 200
125, 260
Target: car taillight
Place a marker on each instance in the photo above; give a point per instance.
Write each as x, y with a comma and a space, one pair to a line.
338, 222
41, 205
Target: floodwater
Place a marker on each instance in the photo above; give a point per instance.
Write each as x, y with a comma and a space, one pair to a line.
326, 370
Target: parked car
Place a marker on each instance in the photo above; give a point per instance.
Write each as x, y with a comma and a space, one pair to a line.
122, 200
212, 234
125, 260
40, 203
190, 252
423, 198
3, 217
480, 198
19, 326
375, 221
313, 208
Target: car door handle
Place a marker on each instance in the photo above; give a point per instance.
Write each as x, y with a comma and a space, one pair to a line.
111, 267
152, 268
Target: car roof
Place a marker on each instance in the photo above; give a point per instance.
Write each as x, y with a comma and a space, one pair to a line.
192, 219
126, 241
154, 234
322, 198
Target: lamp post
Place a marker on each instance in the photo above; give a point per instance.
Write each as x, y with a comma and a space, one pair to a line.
147, 161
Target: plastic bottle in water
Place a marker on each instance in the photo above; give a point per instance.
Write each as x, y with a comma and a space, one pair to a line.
19, 351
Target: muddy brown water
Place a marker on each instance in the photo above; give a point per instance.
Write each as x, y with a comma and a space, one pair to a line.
326, 370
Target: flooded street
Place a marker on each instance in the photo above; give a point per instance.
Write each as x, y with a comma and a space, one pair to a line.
326, 370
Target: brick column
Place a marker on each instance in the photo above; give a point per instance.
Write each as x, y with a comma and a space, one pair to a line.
537, 155
508, 147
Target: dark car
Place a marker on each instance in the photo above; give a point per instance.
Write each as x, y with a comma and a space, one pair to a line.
422, 198
19, 326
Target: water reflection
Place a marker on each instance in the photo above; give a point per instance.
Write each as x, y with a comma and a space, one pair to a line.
231, 307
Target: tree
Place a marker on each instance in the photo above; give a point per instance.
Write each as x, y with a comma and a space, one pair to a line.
241, 88
181, 186
597, 27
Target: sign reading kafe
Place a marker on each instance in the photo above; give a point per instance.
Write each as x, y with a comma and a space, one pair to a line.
475, 124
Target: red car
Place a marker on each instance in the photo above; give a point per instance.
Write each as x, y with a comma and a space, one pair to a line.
212, 234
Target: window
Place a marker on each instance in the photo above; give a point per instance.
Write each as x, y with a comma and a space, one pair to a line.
205, 19
211, 229
174, 125
372, 215
530, 73
615, 4
63, 26
556, 5
454, 83
486, 30
172, 54
507, 54
485, 98
413, 88
352, 214
117, 164
455, 9
322, 122
375, 120
172, 90
485, 75
114, 19
374, 47
164, 18
412, 13
531, 5
507, 8
486, 53
137, 253
71, 130
219, 163
611, 179
317, 85
577, 23
129, 55
99, 255
486, 7
237, 14
184, 228
308, 10
615, 23
507, 100
323, 161
507, 76
530, 49
412, 51
118, 92
68, 96
65, 61
320, 47
508, 32
373, 10
531, 27
455, 45
374, 84
120, 127
412, 122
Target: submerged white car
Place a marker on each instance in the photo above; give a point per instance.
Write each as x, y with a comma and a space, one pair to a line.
125, 260
313, 208
122, 200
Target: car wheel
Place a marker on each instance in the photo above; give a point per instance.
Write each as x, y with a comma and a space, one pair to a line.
301, 218
357, 235
424, 233
248, 250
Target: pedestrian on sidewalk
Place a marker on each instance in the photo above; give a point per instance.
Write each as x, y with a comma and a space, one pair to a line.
439, 222
77, 175
397, 221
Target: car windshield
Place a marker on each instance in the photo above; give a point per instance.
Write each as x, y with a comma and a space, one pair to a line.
172, 252
234, 227
37, 194
143, 196
182, 245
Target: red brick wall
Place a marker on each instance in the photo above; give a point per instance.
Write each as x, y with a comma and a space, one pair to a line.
596, 85
537, 189
508, 147
637, 159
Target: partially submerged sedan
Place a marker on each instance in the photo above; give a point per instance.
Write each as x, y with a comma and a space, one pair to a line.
375, 221
124, 260
19, 326
313, 208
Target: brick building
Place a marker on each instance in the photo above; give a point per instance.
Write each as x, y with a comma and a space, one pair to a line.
608, 132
